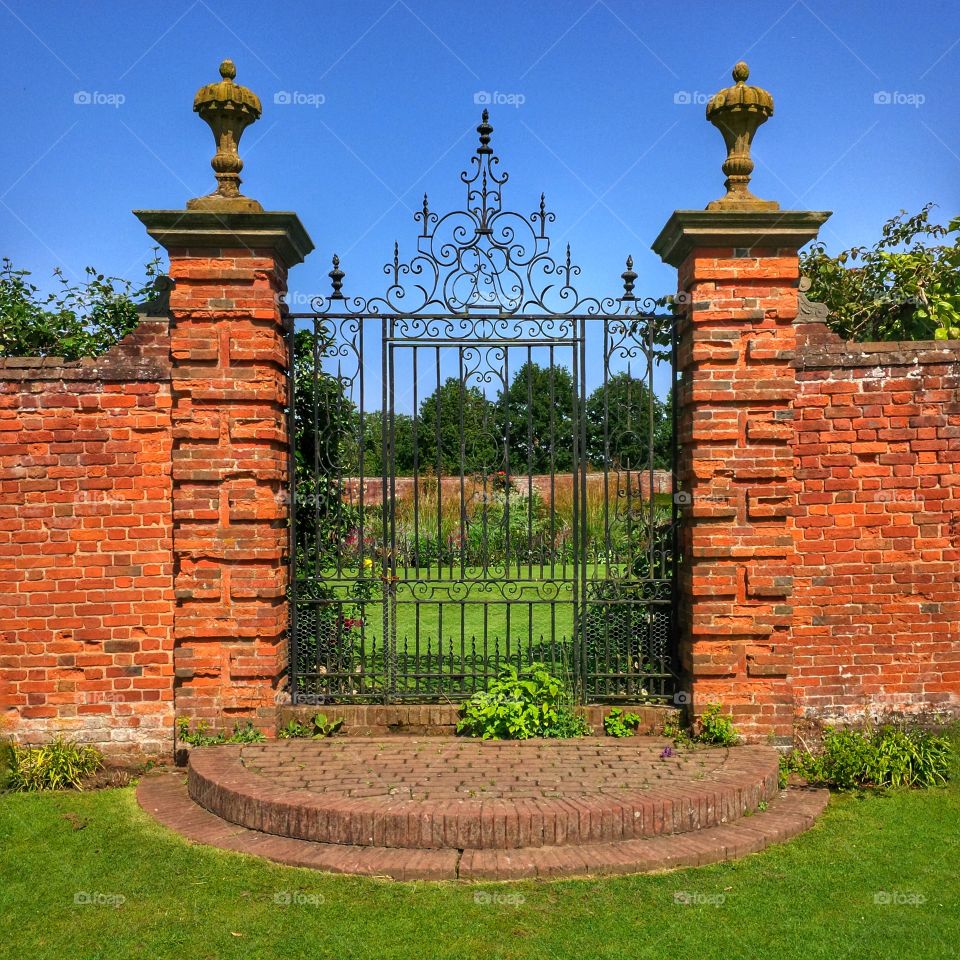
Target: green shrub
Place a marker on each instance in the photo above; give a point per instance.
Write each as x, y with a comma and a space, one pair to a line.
199, 737
318, 728
7, 762
76, 320
717, 727
569, 724
520, 704
57, 765
679, 735
619, 724
888, 756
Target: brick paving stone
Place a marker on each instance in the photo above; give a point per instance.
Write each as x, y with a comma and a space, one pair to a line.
788, 813
449, 792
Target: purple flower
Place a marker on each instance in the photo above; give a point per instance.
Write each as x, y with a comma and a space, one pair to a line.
666, 752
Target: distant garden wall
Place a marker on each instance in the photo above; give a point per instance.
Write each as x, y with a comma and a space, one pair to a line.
876, 620
86, 564
559, 485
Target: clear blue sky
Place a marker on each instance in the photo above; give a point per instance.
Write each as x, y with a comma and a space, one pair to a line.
611, 123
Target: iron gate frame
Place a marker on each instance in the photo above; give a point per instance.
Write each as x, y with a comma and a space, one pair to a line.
446, 317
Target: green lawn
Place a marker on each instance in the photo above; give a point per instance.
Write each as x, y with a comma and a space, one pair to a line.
534, 603
811, 898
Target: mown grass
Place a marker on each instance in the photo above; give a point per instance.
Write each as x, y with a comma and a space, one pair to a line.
429, 606
815, 897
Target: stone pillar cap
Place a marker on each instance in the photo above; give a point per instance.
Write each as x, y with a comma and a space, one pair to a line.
280, 231
688, 230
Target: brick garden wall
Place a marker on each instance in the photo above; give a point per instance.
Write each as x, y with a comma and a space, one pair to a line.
877, 527
230, 472
86, 569
143, 525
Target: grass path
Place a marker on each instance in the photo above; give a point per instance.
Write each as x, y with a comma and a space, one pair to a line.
812, 898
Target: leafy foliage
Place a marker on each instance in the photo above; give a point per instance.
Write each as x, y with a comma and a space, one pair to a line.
519, 704
7, 762
75, 320
536, 415
318, 728
619, 416
452, 415
58, 765
905, 287
619, 724
716, 727
889, 756
199, 737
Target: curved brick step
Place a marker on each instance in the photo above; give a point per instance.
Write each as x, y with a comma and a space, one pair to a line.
457, 794
164, 796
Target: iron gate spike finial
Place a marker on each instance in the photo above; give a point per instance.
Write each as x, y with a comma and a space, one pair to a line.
484, 129
629, 279
336, 276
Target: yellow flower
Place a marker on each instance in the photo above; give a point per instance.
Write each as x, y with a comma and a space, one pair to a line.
367, 563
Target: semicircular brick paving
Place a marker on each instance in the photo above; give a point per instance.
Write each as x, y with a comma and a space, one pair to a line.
450, 793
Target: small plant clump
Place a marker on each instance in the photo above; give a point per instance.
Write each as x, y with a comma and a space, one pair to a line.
7, 762
887, 756
519, 704
619, 724
58, 765
716, 728
199, 737
318, 728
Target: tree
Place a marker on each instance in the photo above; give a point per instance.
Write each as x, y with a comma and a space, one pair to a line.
74, 321
619, 429
324, 431
537, 415
402, 464
462, 414
902, 288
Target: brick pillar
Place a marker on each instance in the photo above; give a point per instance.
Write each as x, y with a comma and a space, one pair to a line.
738, 277
230, 456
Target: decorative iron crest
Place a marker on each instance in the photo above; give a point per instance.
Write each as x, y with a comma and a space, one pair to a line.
482, 263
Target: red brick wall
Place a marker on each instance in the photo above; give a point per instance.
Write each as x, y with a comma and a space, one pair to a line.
877, 526
734, 460
86, 594
561, 485
230, 474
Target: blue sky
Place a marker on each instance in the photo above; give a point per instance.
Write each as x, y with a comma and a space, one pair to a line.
601, 107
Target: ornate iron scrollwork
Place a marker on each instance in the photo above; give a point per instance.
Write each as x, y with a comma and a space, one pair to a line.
484, 262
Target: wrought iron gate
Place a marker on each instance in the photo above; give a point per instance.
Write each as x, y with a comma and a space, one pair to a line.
482, 470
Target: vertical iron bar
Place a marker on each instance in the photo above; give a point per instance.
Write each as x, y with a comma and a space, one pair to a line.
386, 393
293, 622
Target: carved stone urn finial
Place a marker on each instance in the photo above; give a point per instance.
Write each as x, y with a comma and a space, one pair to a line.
737, 112
229, 109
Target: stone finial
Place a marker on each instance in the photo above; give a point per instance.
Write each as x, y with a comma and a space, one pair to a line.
229, 109
737, 112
